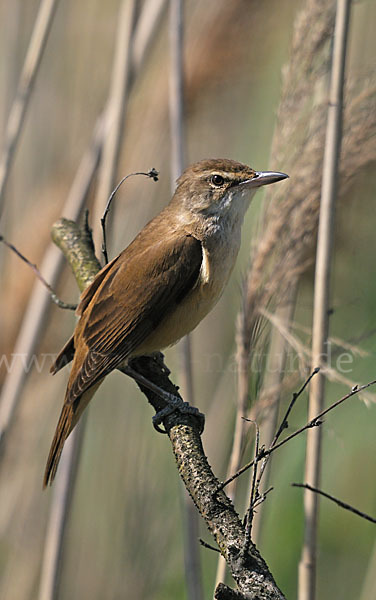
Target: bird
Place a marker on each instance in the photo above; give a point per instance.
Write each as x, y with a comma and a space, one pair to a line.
161, 286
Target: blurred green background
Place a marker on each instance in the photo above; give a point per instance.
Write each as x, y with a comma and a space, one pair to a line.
124, 538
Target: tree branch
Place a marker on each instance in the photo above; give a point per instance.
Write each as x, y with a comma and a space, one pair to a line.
249, 571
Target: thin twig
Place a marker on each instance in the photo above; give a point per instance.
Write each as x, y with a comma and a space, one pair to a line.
253, 496
282, 427
316, 421
116, 108
320, 327
336, 500
266, 453
295, 396
153, 173
208, 546
42, 27
273, 380
39, 275
256, 497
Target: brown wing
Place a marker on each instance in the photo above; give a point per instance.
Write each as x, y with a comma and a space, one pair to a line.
66, 354
142, 287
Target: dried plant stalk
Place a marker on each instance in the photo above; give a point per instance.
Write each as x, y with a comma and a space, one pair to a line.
177, 160
285, 248
116, 107
114, 118
29, 71
37, 312
320, 327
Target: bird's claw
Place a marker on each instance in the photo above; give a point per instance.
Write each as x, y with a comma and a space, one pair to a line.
175, 403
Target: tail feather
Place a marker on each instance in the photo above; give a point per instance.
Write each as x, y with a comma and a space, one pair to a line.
63, 429
69, 417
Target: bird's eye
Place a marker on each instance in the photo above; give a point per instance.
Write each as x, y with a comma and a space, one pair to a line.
217, 180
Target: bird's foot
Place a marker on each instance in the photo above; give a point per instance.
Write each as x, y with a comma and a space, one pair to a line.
174, 403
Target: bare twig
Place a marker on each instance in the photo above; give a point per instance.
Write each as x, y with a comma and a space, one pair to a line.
295, 396
267, 453
153, 173
116, 108
282, 427
336, 500
29, 71
208, 546
254, 494
39, 275
320, 327
316, 421
273, 380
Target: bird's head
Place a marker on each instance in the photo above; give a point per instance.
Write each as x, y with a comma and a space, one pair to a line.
214, 187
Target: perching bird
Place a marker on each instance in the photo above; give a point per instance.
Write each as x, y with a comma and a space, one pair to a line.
161, 286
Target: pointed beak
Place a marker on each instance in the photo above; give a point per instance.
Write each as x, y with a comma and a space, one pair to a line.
264, 178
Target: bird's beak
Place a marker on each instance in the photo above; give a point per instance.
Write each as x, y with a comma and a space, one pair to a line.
264, 178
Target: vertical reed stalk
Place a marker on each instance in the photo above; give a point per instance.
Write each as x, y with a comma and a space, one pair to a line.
307, 566
176, 110
116, 108
29, 71
111, 149
37, 311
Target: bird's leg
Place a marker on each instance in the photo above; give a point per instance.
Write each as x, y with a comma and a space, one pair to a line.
173, 402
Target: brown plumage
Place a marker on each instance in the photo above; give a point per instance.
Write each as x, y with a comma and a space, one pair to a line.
160, 287
115, 320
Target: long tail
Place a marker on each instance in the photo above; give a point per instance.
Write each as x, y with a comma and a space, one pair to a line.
69, 417
63, 429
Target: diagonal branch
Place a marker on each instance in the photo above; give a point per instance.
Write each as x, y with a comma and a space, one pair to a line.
340, 503
251, 572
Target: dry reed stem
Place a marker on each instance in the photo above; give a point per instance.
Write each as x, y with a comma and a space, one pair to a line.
115, 111
320, 326
25, 86
114, 116
37, 311
59, 514
177, 136
273, 269
369, 580
285, 249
